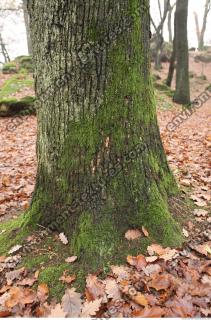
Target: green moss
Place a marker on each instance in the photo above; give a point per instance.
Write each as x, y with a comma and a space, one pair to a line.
22, 107
31, 261
14, 234
15, 84
10, 68
158, 220
25, 62
50, 275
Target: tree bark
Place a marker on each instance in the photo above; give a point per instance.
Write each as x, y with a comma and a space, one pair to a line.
27, 25
101, 163
182, 93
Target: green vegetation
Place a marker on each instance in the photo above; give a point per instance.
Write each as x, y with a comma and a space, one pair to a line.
22, 107
15, 84
10, 68
12, 233
20, 64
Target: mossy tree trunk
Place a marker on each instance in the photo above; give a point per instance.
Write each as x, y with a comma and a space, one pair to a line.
182, 93
101, 164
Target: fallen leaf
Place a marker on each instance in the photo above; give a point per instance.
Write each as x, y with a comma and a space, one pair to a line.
14, 275
160, 282
63, 238
57, 312
42, 292
140, 299
72, 303
185, 232
200, 213
151, 259
71, 259
90, 308
133, 234
145, 232
138, 262
67, 279
15, 249
112, 289
95, 287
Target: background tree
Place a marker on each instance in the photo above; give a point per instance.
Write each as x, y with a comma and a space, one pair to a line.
96, 113
172, 60
182, 93
201, 33
158, 38
3, 50
27, 24
170, 11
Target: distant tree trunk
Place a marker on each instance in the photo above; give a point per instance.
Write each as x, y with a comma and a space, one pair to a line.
200, 33
4, 50
158, 37
172, 60
27, 25
182, 93
101, 163
169, 24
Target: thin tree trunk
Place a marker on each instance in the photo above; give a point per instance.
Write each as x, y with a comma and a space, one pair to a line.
182, 93
27, 25
172, 60
96, 117
4, 50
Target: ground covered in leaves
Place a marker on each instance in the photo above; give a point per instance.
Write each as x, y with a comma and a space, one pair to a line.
160, 282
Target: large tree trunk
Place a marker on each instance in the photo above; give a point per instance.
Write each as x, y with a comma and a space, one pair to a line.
182, 93
27, 25
101, 164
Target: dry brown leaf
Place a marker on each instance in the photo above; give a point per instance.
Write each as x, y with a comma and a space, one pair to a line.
155, 248
15, 249
133, 234
2, 259
145, 232
27, 282
71, 259
95, 287
185, 232
160, 282
63, 238
67, 279
14, 275
138, 262
204, 248
200, 213
154, 312
151, 259
112, 289
121, 272
140, 299
57, 312
91, 308
72, 303
42, 292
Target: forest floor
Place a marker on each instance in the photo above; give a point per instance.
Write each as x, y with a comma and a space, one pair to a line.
160, 282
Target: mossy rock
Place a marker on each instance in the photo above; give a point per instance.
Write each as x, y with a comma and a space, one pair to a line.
25, 63
22, 107
10, 68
